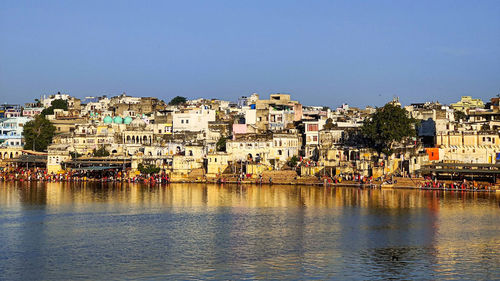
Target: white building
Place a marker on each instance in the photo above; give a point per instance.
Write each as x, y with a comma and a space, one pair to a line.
250, 147
11, 131
285, 146
47, 101
194, 120
101, 106
312, 128
32, 111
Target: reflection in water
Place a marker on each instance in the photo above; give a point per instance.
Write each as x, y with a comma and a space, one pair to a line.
189, 231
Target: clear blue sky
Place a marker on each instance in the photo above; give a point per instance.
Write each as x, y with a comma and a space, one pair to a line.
321, 52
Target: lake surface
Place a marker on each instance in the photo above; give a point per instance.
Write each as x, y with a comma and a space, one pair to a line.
62, 231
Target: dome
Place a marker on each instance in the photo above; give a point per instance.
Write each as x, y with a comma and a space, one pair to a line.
108, 120
127, 120
118, 120
138, 122
91, 113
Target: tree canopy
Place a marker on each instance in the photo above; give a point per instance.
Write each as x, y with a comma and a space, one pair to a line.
55, 104
293, 161
329, 124
147, 170
459, 115
221, 144
177, 100
38, 133
389, 125
100, 152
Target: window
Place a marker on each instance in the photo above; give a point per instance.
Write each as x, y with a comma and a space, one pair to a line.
187, 121
312, 127
315, 138
182, 121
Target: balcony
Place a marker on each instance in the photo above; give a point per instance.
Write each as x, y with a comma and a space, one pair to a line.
5, 137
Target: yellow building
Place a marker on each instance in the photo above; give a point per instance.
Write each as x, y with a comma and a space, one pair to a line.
467, 102
217, 163
10, 152
57, 154
468, 147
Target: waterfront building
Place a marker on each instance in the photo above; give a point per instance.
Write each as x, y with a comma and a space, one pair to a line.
217, 163
250, 147
284, 146
261, 135
9, 152
311, 136
468, 147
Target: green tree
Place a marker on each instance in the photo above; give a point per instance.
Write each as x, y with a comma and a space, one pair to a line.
221, 144
293, 161
147, 170
101, 152
389, 125
55, 104
75, 155
459, 115
329, 124
177, 100
38, 133
485, 127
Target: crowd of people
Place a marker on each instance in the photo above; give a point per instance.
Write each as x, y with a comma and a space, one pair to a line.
117, 175
109, 175
458, 185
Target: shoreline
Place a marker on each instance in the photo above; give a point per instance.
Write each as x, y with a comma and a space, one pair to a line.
252, 183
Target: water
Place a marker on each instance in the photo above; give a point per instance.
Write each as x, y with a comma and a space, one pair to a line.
187, 231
